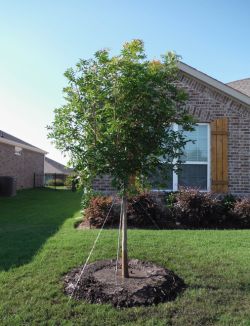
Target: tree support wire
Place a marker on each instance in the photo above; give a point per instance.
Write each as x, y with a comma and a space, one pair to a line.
123, 216
91, 251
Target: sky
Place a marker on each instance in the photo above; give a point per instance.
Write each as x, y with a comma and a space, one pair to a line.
39, 40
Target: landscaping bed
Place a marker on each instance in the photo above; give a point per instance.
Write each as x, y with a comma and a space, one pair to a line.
147, 284
186, 209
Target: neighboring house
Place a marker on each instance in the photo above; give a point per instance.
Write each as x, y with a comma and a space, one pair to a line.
20, 160
219, 160
242, 85
53, 169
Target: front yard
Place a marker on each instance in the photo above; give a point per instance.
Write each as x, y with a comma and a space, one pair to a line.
38, 244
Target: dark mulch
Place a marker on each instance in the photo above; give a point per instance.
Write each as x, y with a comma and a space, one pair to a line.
147, 284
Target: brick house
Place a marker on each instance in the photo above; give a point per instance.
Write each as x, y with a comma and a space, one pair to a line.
20, 160
219, 160
55, 170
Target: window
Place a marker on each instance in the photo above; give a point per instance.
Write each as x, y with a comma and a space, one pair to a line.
195, 170
193, 175
162, 179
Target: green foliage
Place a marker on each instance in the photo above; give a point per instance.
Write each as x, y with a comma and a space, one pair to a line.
229, 201
118, 115
68, 181
88, 195
72, 181
55, 182
170, 200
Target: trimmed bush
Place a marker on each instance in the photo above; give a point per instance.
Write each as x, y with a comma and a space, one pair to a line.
97, 211
142, 211
186, 209
195, 209
241, 212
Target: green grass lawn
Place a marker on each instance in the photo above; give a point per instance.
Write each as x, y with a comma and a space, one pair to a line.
38, 244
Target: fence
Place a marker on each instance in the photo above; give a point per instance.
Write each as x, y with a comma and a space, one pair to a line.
52, 180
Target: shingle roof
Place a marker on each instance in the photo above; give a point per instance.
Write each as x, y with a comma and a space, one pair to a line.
242, 85
51, 166
5, 136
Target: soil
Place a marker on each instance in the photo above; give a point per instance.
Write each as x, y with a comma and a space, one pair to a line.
147, 284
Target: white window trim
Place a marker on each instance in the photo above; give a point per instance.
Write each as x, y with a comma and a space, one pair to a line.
208, 163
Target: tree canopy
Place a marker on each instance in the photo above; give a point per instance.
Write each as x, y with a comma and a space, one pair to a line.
118, 115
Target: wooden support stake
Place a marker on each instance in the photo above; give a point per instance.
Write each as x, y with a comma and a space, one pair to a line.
125, 273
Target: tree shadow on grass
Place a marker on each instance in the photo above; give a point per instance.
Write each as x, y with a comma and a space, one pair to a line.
29, 219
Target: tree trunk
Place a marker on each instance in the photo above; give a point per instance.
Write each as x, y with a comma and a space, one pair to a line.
125, 273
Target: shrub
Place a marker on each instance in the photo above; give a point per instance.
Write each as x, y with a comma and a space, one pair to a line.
142, 211
196, 209
171, 199
55, 182
72, 182
188, 208
68, 181
241, 212
97, 211
87, 196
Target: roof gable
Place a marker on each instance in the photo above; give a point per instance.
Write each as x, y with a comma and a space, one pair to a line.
51, 166
224, 88
14, 141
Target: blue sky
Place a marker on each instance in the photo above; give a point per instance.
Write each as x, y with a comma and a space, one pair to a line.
39, 40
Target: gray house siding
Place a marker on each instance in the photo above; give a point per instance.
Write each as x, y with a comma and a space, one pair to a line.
21, 167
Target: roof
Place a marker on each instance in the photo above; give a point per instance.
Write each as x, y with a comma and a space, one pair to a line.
242, 85
12, 140
226, 89
51, 166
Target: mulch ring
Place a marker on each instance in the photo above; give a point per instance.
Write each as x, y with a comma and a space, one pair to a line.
147, 284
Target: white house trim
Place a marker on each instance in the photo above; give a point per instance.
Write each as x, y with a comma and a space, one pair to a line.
214, 83
24, 146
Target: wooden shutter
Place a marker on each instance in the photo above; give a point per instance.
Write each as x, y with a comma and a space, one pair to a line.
219, 164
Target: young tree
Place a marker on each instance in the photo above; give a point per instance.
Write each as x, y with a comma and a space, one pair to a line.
118, 118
